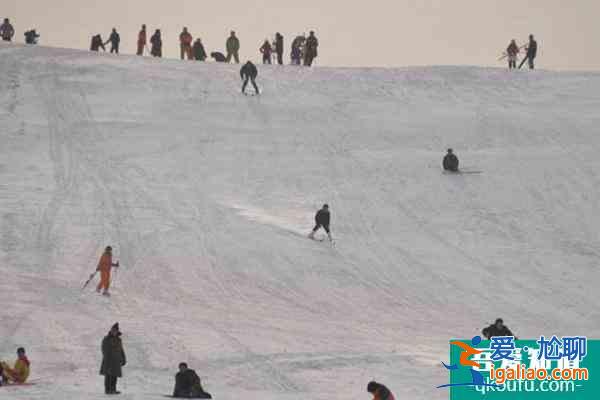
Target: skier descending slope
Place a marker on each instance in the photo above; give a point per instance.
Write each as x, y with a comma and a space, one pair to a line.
450, 162
322, 219
249, 72
104, 266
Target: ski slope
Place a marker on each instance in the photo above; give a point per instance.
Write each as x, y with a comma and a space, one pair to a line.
206, 196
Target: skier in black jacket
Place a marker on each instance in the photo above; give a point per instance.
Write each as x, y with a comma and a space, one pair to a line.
114, 39
450, 162
31, 37
497, 329
532, 48
322, 219
249, 73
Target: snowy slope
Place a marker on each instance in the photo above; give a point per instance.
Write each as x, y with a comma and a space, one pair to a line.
205, 195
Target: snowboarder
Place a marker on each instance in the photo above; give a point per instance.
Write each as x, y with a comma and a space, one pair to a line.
322, 220
266, 51
531, 50
31, 37
20, 372
311, 49
279, 47
114, 39
199, 52
512, 52
188, 385
379, 391
450, 162
185, 41
104, 266
142, 41
233, 48
97, 43
113, 359
7, 31
248, 72
496, 329
218, 56
156, 42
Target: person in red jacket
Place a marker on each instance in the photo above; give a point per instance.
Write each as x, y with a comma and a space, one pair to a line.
266, 50
185, 39
142, 41
104, 266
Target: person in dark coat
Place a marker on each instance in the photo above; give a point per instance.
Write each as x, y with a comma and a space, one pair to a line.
496, 329
450, 162
311, 49
156, 44
266, 51
379, 391
297, 49
322, 220
97, 43
219, 57
531, 53
198, 49
188, 385
279, 47
512, 53
249, 73
113, 359
7, 31
31, 37
114, 40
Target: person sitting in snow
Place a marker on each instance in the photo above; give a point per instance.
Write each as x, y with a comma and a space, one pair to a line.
379, 391
20, 372
496, 329
187, 384
450, 162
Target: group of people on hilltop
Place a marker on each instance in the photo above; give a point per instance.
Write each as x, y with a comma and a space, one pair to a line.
7, 32
513, 50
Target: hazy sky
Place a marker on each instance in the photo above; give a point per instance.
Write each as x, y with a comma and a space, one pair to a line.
351, 33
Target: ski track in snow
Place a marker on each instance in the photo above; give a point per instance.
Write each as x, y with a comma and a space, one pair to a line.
208, 195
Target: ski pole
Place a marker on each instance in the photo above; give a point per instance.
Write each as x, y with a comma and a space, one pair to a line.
89, 280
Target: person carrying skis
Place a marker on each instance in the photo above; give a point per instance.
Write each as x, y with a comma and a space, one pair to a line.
156, 42
531, 53
379, 391
97, 43
233, 48
512, 52
450, 162
104, 266
279, 47
114, 40
31, 37
185, 41
21, 370
322, 220
248, 72
266, 51
188, 385
7, 31
496, 329
141, 41
311, 49
199, 52
113, 359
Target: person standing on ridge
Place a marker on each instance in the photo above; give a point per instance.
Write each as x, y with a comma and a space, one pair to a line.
7, 31
21, 370
512, 52
450, 162
104, 266
114, 40
233, 48
531, 50
266, 51
185, 41
97, 43
322, 220
311, 49
248, 72
31, 37
297, 49
279, 47
113, 359
156, 42
142, 41
199, 52
379, 391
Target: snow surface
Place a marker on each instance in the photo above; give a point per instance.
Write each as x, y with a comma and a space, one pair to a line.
206, 196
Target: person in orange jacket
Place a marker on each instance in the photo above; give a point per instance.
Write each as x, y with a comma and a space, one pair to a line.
104, 266
185, 40
20, 372
142, 41
379, 391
